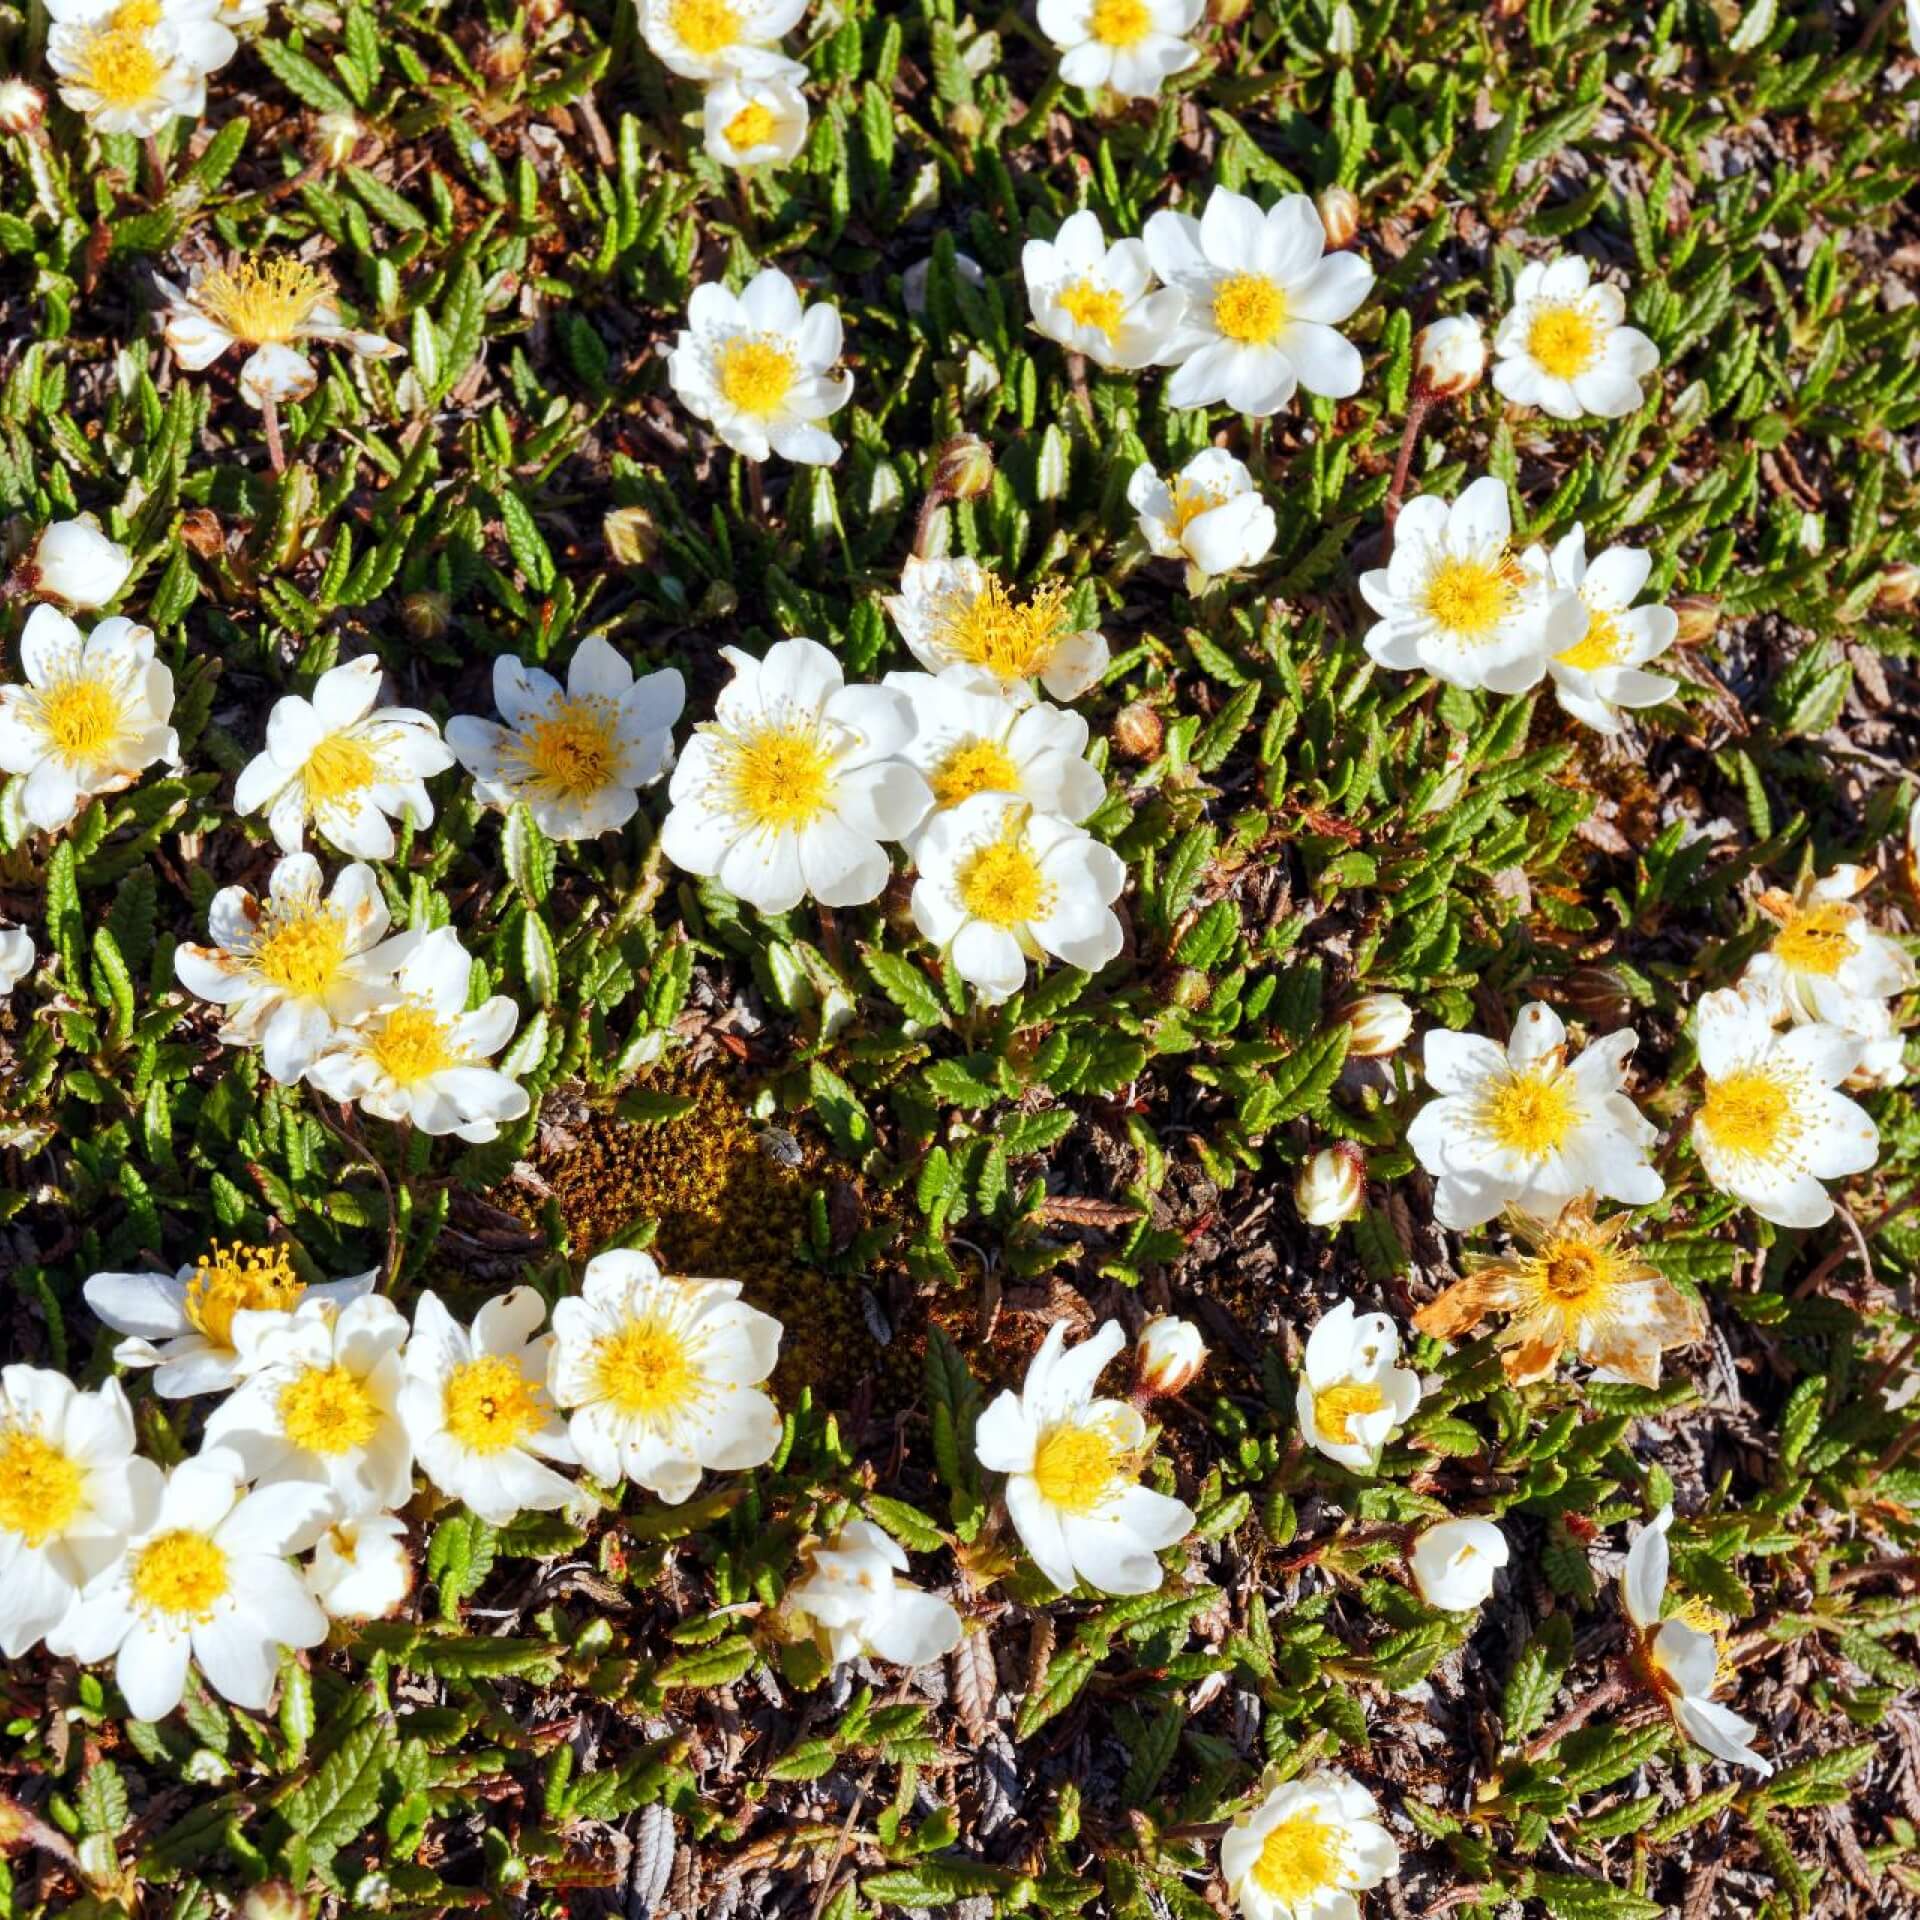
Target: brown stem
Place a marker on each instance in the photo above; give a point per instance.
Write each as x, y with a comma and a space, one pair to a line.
1077, 380
757, 493
156, 169
1416, 417
270, 420
1576, 1716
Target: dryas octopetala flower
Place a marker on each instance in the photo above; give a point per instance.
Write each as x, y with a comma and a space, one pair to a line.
713, 39
576, 758
1263, 299
183, 1327
1828, 961
17, 956
1099, 300
203, 1576
130, 71
1454, 1562
1772, 1125
663, 1375
1455, 601
1449, 356
1001, 885
1132, 46
758, 368
422, 1057
71, 1485
1307, 1849
1331, 1187
1352, 1391
1377, 1025
345, 763
1573, 1287
1524, 1126
958, 613
1603, 671
476, 1408
361, 1568
754, 120
91, 718
1168, 1356
74, 561
1211, 514
793, 787
855, 1601
1564, 348
1073, 1470
292, 970
1678, 1661
22, 106
271, 307
318, 1402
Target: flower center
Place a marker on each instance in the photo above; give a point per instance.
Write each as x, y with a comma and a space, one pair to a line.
1300, 1857
1600, 646
1577, 1277
1001, 883
82, 718
1564, 339
1470, 598
755, 375
182, 1574
1079, 1469
981, 766
751, 127
1532, 1114
1011, 641
490, 1404
705, 26
413, 1043
1121, 23
1335, 1408
780, 777
571, 750
118, 65
233, 1279
1190, 502
1818, 940
135, 16
338, 770
302, 953
263, 304
1088, 304
647, 1369
41, 1489
1751, 1114
328, 1410
1248, 307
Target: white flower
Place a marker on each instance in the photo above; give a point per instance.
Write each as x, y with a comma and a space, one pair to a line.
1001, 885
318, 1402
1131, 46
131, 78
1828, 961
1564, 349
183, 1327
1099, 300
91, 718
423, 1057
361, 1568
957, 613
1602, 671
857, 1603
75, 562
663, 1375
476, 1407
22, 105
758, 368
268, 306
344, 763
711, 39
577, 758
295, 970
1681, 1661
1212, 515
1772, 1127
1449, 356
1308, 1847
1456, 602
1263, 299
1352, 1392
205, 1576
1454, 1563
1883, 1047
1073, 1471
1331, 1187
1523, 1126
71, 1485
16, 958
754, 120
1377, 1025
793, 786
1168, 1355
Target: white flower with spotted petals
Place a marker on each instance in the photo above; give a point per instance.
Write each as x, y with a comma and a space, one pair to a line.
361, 1568
1210, 514
1565, 347
1604, 670
754, 120
714, 39
1132, 46
1307, 1849
1353, 1392
1454, 1562
17, 956
958, 613
855, 1601
1099, 300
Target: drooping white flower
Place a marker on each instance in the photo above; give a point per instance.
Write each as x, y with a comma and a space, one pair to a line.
794, 786
361, 1568
957, 613
1307, 1849
1565, 348
183, 1326
1680, 1661
754, 120
758, 368
1828, 959
1353, 1392
1524, 1126
74, 561
1450, 356
856, 1602
1331, 1186
1099, 300
1001, 885
1456, 602
422, 1057
132, 77
71, 1486
1168, 1355
1211, 514
1263, 300
1603, 670
91, 718
1073, 1463
1132, 46
204, 1576
295, 969
1454, 1562
663, 1375
576, 757
712, 39
476, 1407
318, 1402
16, 958
1772, 1126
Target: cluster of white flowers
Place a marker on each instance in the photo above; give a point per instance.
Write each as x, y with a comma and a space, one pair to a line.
753, 113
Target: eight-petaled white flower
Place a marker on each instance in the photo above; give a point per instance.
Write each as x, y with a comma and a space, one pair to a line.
17, 955
74, 561
1211, 514
1828, 962
131, 76
1307, 1849
1564, 347
1603, 670
1454, 1562
1353, 1392
958, 613
361, 1568
1099, 300
712, 39
856, 1602
754, 120
1132, 46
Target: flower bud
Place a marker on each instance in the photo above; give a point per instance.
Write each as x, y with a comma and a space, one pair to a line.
1379, 1024
1454, 1562
1344, 41
1449, 356
336, 138
1168, 1355
1332, 1186
426, 615
1138, 732
632, 535
273, 1900
75, 562
22, 106
964, 468
721, 601
1339, 214
1699, 617
1899, 588
965, 121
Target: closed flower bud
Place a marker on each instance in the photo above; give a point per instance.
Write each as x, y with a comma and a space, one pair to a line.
1168, 1355
1899, 588
22, 106
1339, 214
1344, 41
1699, 617
426, 615
965, 121
1454, 1563
1332, 1186
75, 562
1378, 1025
1138, 732
273, 1900
632, 535
336, 138
1449, 356
964, 469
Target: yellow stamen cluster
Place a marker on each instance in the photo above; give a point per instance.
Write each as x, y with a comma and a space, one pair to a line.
413, 1042
328, 1411
263, 303
1079, 1469
1011, 639
647, 1369
490, 1405
1250, 308
779, 776
42, 1490
237, 1278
